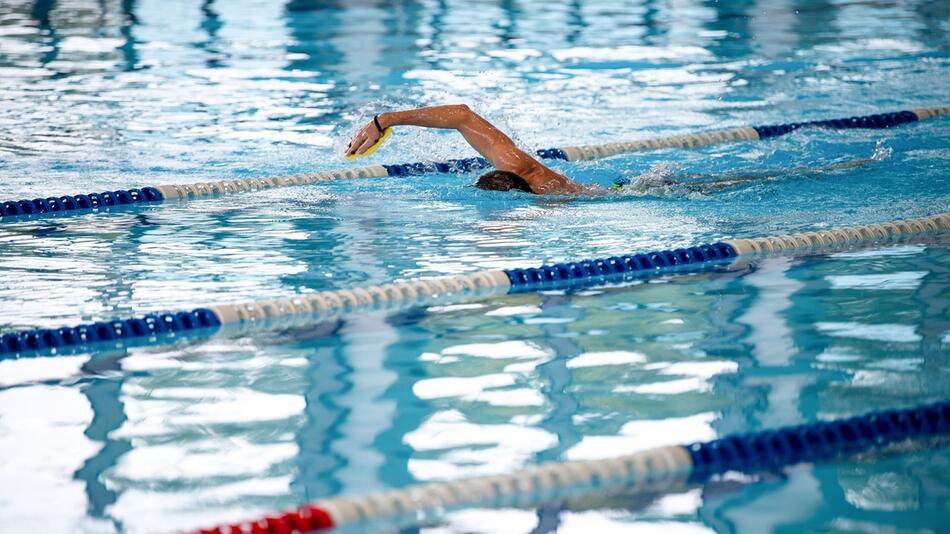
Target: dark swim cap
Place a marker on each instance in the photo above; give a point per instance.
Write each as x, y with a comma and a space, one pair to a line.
502, 181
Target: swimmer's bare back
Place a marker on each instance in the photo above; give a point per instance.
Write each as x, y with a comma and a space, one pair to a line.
723, 180
484, 137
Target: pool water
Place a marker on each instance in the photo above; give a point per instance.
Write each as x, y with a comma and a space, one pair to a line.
107, 95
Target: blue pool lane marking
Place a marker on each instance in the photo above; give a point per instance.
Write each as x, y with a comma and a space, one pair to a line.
452, 166
773, 449
78, 203
590, 272
74, 204
68, 339
459, 166
876, 121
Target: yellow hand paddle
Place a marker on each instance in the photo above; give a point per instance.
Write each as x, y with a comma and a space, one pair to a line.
372, 147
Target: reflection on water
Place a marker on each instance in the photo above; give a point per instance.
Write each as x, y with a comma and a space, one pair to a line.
122, 93
233, 427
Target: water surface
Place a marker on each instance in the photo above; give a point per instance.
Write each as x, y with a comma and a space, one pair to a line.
106, 95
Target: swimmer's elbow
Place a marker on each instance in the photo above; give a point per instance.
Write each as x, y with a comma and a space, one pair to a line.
463, 115
462, 112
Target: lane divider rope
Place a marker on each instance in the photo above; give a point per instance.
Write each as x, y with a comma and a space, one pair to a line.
697, 462
309, 309
71, 204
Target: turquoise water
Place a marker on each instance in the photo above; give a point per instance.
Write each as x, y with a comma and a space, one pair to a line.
99, 95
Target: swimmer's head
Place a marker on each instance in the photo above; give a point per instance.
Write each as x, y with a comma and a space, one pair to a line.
502, 181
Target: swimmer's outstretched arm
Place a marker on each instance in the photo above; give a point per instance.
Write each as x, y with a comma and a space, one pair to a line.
484, 137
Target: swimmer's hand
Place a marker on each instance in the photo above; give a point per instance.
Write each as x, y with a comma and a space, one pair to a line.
366, 137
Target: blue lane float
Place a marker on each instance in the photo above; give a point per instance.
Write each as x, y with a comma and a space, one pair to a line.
82, 202
773, 449
69, 339
75, 204
452, 166
877, 121
589, 272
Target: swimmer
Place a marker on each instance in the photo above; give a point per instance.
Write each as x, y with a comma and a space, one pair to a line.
515, 168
